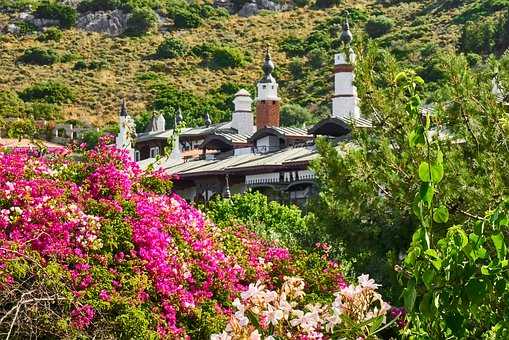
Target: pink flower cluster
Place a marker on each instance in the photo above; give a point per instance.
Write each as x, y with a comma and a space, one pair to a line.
62, 208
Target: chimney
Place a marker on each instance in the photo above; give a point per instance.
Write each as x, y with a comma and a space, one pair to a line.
242, 117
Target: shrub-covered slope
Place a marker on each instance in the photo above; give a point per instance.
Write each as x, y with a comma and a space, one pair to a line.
211, 55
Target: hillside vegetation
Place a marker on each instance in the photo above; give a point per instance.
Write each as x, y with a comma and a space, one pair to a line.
99, 70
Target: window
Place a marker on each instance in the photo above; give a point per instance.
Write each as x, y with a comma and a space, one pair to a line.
137, 155
264, 87
154, 152
274, 102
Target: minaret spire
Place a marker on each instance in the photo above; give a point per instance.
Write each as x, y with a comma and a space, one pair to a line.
346, 36
268, 67
123, 108
267, 101
344, 100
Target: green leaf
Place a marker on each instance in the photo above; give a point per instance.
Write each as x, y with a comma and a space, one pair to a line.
426, 192
427, 278
375, 324
400, 77
416, 137
437, 172
424, 172
418, 80
441, 214
498, 242
426, 304
475, 289
409, 295
440, 157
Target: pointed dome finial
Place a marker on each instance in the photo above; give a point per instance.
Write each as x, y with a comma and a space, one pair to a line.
208, 121
179, 118
346, 36
123, 108
268, 67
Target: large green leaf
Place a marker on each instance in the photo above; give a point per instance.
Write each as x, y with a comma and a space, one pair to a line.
499, 243
426, 192
425, 172
409, 296
437, 172
441, 214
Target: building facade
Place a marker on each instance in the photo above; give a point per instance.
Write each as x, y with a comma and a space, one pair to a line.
252, 151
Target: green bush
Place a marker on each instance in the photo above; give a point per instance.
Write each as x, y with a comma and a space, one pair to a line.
317, 58
301, 3
326, 3
10, 104
26, 27
50, 92
271, 220
478, 37
40, 56
141, 21
43, 111
220, 56
64, 14
378, 26
98, 5
184, 18
51, 34
293, 46
296, 68
227, 57
171, 48
295, 115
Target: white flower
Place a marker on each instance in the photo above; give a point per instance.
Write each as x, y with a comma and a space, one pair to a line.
241, 318
273, 315
285, 306
366, 282
255, 335
222, 336
253, 291
332, 321
270, 296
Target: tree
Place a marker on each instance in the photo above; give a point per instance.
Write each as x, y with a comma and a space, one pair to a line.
295, 115
368, 185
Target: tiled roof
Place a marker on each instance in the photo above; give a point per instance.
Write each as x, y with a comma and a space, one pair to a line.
284, 132
242, 163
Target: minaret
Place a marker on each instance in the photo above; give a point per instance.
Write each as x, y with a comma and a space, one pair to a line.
267, 102
345, 101
242, 117
126, 130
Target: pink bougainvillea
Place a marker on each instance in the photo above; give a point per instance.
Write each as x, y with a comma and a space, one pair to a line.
119, 240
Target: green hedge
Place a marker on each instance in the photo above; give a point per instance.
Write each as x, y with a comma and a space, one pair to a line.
378, 26
40, 56
64, 14
50, 92
141, 21
171, 48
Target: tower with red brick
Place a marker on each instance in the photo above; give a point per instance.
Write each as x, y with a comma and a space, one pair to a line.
267, 101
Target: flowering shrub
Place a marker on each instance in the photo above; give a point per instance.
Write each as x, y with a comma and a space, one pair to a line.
90, 245
357, 312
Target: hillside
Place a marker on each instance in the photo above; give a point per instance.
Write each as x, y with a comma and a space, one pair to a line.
126, 67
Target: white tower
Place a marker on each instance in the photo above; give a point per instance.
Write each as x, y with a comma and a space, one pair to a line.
345, 101
124, 140
242, 117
